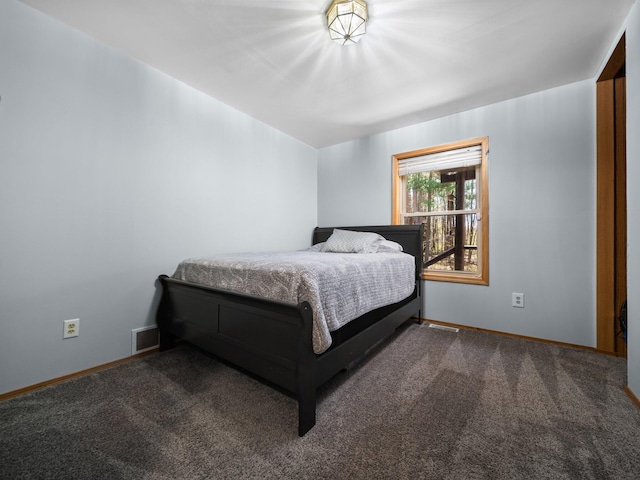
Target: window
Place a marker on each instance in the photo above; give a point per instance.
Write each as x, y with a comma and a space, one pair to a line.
446, 189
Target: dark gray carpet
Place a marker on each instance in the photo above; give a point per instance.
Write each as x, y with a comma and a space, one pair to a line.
428, 404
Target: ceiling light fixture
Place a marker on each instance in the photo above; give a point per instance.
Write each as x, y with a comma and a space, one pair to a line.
347, 20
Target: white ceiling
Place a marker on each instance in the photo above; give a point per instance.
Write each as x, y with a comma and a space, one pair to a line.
420, 59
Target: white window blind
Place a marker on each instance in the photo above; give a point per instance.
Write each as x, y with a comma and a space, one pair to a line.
451, 159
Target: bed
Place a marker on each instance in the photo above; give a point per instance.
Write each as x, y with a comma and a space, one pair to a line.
277, 340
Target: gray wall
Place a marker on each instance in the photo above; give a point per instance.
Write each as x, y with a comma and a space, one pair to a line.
541, 209
110, 174
633, 196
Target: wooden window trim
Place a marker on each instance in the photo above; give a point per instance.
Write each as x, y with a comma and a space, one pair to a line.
482, 276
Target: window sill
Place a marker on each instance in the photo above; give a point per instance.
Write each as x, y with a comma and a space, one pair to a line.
469, 278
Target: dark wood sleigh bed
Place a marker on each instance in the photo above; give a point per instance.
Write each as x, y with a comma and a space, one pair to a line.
273, 340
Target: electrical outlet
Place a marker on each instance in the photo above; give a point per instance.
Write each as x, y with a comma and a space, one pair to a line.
517, 300
71, 328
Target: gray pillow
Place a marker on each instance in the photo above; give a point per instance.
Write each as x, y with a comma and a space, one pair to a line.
348, 241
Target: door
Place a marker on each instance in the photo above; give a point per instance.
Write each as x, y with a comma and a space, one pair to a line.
611, 265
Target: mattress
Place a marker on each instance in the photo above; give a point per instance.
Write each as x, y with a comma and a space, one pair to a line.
340, 287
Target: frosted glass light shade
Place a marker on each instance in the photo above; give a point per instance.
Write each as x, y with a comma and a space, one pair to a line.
347, 20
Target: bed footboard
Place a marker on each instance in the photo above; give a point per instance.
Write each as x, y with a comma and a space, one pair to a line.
270, 339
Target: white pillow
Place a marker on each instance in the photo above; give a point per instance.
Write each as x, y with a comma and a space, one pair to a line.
389, 246
348, 241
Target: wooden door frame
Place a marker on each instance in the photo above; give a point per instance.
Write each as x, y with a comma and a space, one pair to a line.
611, 200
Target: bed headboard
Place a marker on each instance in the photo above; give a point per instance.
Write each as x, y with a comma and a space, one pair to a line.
409, 236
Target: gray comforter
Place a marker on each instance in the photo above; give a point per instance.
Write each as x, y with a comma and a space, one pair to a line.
339, 286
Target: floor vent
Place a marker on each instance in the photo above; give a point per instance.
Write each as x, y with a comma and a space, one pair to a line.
143, 339
444, 327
